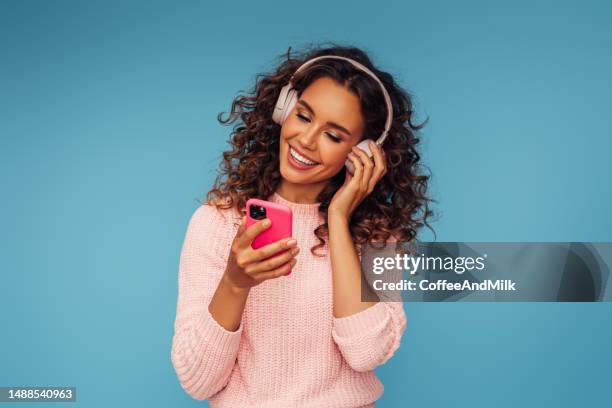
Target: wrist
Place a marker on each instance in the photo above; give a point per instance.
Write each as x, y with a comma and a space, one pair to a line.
334, 217
227, 286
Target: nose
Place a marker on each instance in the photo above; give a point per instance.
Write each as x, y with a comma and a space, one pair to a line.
308, 139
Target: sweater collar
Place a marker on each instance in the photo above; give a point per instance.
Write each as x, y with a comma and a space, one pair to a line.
296, 208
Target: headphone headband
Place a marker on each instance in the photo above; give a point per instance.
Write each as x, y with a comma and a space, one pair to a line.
361, 67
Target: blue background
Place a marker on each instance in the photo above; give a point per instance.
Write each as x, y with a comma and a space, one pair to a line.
109, 134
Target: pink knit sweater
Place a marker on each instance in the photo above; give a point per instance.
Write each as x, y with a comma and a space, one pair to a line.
289, 351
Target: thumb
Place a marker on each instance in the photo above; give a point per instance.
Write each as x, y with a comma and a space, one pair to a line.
348, 177
242, 226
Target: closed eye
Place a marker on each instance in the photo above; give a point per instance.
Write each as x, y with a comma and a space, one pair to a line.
333, 137
303, 118
306, 119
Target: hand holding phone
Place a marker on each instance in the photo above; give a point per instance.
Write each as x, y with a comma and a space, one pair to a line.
253, 261
280, 215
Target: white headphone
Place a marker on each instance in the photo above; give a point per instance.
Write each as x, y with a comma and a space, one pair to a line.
288, 98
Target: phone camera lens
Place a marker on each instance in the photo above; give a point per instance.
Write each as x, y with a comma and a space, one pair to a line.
257, 212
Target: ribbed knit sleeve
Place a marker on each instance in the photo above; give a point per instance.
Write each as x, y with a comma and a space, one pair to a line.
203, 352
369, 338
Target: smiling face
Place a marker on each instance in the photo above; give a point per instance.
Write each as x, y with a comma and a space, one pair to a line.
318, 135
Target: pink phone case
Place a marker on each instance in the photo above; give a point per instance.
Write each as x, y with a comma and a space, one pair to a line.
282, 222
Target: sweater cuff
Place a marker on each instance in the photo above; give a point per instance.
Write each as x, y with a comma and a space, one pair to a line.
361, 322
226, 341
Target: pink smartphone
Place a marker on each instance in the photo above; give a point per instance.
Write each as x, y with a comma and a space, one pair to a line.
281, 217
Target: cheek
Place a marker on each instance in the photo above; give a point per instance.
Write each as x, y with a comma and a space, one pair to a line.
334, 155
291, 126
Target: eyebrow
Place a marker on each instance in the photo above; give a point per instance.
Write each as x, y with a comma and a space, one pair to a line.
333, 124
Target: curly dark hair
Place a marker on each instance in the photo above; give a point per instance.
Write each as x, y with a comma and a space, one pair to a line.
398, 205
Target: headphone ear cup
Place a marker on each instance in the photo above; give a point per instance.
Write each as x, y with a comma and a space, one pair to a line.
283, 104
292, 97
363, 145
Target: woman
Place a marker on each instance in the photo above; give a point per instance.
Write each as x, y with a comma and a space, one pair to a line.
245, 334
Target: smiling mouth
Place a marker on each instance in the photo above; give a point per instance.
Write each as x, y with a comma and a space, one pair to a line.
301, 159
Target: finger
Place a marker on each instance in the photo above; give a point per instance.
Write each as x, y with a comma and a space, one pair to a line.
280, 271
358, 168
368, 166
379, 166
271, 264
347, 177
274, 248
367, 160
372, 183
379, 158
242, 226
251, 232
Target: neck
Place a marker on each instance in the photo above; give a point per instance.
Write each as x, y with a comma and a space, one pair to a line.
300, 193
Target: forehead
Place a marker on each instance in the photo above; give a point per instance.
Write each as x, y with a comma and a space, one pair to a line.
333, 102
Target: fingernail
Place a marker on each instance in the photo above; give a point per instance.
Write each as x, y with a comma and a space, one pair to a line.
291, 242
294, 251
267, 223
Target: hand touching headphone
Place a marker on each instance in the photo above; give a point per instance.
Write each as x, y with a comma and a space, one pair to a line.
288, 98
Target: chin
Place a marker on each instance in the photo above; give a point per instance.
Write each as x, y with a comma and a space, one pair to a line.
292, 176
296, 177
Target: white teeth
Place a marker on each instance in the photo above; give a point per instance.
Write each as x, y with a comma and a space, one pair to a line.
301, 158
